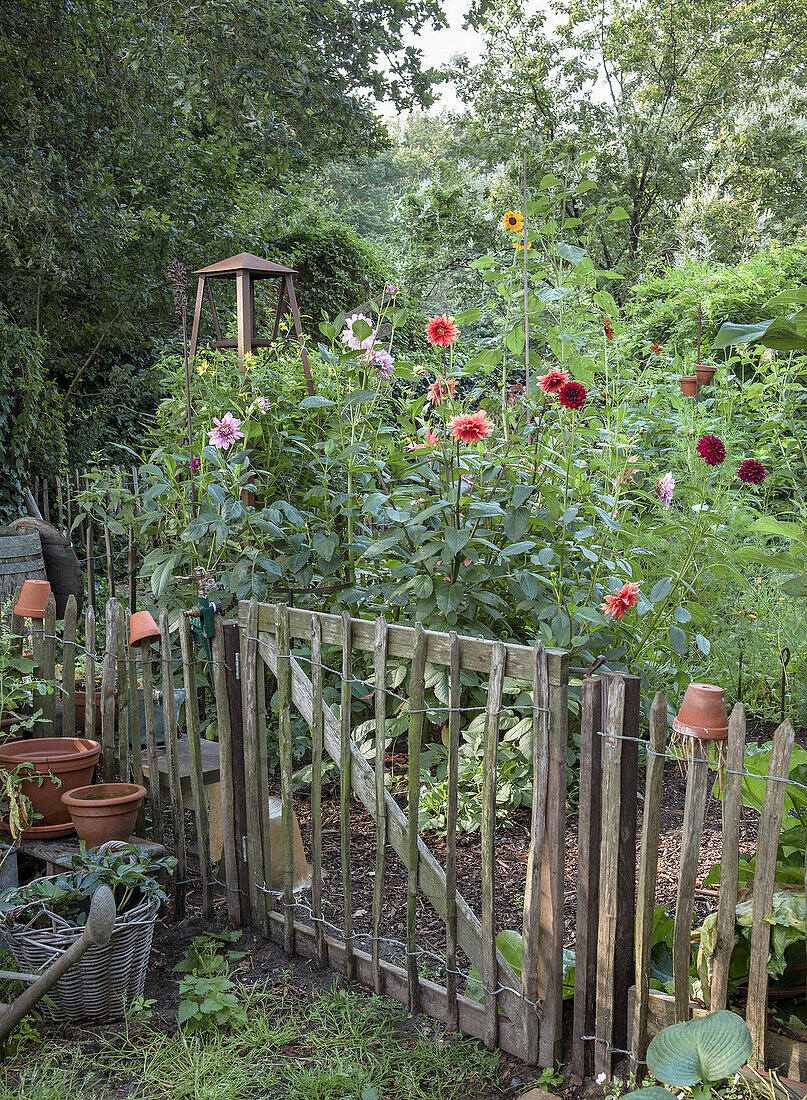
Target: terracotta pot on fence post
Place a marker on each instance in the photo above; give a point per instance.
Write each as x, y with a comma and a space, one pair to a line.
33, 599
689, 385
703, 713
704, 374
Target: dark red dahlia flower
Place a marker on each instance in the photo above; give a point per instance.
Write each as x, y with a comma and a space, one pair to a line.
752, 472
712, 450
572, 395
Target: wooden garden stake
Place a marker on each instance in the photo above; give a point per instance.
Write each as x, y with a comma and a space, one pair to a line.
648, 874
589, 828
770, 823
490, 974
134, 723
380, 701
417, 697
69, 668
89, 672
344, 789
151, 741
249, 690
697, 791
114, 627
730, 862
226, 776
609, 855
454, 723
195, 760
122, 686
317, 722
43, 637
174, 780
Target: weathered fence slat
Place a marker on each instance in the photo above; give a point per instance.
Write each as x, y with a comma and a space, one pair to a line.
122, 687
89, 672
626, 863
321, 947
232, 673
225, 775
648, 874
550, 956
609, 855
195, 763
262, 676
249, 689
697, 790
729, 863
134, 720
284, 750
43, 636
69, 668
345, 761
452, 778
770, 823
174, 782
588, 875
380, 708
490, 751
113, 628
417, 697
152, 759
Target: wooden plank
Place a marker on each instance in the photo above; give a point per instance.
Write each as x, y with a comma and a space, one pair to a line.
89, 542
550, 954
122, 687
134, 722
249, 703
626, 861
262, 733
317, 742
232, 671
648, 875
770, 823
89, 672
284, 752
46, 670
609, 857
589, 827
380, 706
431, 877
417, 699
490, 756
475, 651
697, 790
147, 675
172, 750
69, 668
730, 861
112, 633
194, 754
110, 567
345, 725
452, 778
225, 775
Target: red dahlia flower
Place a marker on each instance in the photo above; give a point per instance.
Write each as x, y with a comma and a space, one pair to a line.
657, 348
441, 331
441, 389
712, 450
572, 395
608, 329
625, 597
553, 380
471, 427
752, 472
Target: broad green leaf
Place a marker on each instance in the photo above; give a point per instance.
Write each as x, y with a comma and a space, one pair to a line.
730, 334
706, 1049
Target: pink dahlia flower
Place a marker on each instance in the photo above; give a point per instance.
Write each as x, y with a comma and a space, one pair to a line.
471, 427
441, 331
664, 489
225, 432
625, 597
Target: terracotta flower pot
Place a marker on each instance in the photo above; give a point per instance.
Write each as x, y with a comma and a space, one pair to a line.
689, 385
703, 713
704, 374
34, 596
70, 759
142, 628
104, 811
81, 710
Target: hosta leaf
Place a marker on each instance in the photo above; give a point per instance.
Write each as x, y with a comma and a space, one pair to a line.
708, 1048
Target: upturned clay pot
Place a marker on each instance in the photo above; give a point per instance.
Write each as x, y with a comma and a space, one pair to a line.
142, 628
703, 713
33, 597
704, 374
104, 811
71, 759
689, 385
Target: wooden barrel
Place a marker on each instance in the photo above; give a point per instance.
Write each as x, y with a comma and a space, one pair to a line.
20, 560
61, 565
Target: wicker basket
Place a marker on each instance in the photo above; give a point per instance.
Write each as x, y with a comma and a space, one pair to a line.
105, 979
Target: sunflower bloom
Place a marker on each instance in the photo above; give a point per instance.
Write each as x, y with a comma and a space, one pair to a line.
513, 222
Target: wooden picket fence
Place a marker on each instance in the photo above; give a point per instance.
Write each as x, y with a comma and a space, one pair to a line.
277, 666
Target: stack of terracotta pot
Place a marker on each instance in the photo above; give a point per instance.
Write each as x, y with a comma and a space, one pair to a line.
691, 383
